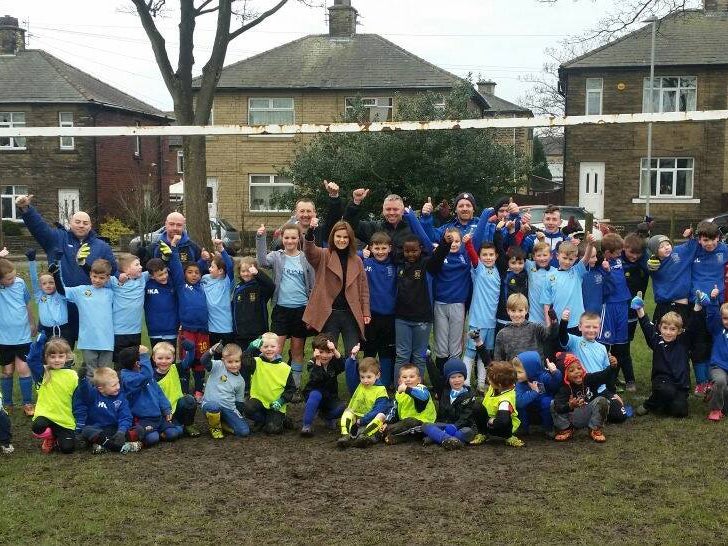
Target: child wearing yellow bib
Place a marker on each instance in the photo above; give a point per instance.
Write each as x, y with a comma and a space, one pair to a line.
167, 374
413, 407
497, 415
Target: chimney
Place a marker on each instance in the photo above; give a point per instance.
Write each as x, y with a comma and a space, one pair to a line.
486, 87
714, 7
342, 19
12, 37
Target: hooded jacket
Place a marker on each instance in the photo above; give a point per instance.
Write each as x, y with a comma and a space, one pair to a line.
587, 390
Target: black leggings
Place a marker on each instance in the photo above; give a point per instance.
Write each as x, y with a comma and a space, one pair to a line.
668, 398
501, 427
65, 438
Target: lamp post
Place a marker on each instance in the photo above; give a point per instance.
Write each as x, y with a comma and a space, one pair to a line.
650, 108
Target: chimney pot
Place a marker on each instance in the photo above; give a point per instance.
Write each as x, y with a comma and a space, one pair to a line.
486, 87
12, 37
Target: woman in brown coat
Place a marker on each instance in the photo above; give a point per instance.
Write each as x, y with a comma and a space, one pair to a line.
339, 302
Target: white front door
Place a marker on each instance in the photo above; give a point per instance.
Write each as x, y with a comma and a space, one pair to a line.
591, 188
212, 197
68, 204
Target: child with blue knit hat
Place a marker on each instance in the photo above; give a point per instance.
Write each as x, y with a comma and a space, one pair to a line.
455, 426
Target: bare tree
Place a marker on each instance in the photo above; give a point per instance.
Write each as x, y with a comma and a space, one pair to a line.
232, 21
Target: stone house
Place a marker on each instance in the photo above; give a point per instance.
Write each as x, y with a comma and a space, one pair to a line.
66, 174
314, 80
605, 167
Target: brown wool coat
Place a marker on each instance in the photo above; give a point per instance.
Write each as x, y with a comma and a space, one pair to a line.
328, 284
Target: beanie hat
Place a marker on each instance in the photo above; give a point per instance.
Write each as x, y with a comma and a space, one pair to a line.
467, 196
655, 241
453, 366
502, 202
565, 361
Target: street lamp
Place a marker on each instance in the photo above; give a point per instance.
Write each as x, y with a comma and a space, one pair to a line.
650, 109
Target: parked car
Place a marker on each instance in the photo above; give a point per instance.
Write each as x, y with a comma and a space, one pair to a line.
721, 221
219, 229
579, 214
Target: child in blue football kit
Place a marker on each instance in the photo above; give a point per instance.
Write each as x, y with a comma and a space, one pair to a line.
95, 318
218, 284
128, 304
102, 413
160, 304
50, 298
150, 408
192, 306
592, 286
535, 389
16, 329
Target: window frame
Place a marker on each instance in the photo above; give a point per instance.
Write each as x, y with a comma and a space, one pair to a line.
180, 162
661, 90
10, 124
62, 123
270, 184
270, 108
390, 106
658, 169
588, 92
12, 196
137, 144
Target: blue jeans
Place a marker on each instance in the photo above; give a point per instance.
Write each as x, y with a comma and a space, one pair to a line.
412, 339
231, 418
330, 408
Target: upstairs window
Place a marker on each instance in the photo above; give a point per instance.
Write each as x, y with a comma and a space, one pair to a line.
671, 94
594, 88
265, 188
65, 119
377, 108
180, 162
670, 177
12, 119
270, 111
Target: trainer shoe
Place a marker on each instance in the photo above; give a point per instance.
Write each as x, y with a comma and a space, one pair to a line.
427, 441
715, 415
515, 441
48, 445
7, 449
700, 389
564, 435
131, 447
478, 439
217, 433
97, 449
29, 409
597, 435
192, 431
641, 411
344, 441
198, 397
451, 443
306, 431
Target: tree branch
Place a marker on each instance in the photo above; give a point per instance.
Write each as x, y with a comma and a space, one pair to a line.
146, 11
262, 17
200, 9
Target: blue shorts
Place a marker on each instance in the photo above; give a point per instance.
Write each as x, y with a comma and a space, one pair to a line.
614, 324
488, 337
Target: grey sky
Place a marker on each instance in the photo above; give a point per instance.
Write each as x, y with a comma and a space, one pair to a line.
499, 39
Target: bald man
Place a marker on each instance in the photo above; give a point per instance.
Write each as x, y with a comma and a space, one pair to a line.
62, 244
189, 251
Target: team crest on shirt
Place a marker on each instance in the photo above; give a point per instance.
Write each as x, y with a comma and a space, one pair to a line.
607, 334
184, 256
253, 297
87, 293
117, 403
417, 274
223, 378
513, 281
552, 278
626, 274
44, 299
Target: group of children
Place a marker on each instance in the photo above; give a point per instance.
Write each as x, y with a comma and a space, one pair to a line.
541, 323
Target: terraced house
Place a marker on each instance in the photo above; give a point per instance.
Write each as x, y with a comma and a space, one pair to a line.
314, 80
605, 167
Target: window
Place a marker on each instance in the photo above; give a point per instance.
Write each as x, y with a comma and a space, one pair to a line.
671, 94
670, 177
65, 119
265, 188
594, 96
267, 111
379, 108
12, 119
180, 162
137, 144
8, 197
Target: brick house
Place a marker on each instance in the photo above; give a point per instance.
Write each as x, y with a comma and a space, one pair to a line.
67, 174
605, 167
314, 80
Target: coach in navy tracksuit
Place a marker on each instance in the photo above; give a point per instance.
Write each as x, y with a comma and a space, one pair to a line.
64, 244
